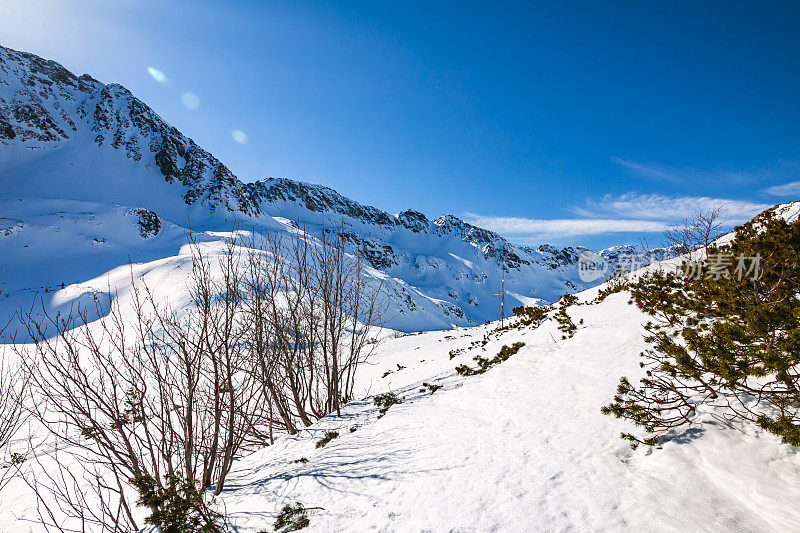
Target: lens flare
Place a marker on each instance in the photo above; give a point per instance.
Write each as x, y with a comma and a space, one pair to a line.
190, 100
157, 75
239, 136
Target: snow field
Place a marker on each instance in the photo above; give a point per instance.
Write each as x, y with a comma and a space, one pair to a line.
522, 447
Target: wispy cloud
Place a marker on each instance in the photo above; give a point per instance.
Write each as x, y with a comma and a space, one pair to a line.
779, 170
666, 208
647, 170
787, 189
538, 229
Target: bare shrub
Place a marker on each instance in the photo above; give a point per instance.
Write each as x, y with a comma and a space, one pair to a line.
313, 314
156, 403
699, 230
155, 398
13, 388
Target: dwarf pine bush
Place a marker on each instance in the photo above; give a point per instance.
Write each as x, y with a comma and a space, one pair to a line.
615, 285
177, 506
329, 436
565, 324
291, 518
385, 401
485, 364
723, 338
530, 315
430, 387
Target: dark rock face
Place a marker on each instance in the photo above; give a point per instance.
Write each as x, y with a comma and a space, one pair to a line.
380, 256
505, 253
149, 223
166, 165
414, 220
557, 257
9, 226
6, 131
43, 93
452, 225
492, 244
318, 199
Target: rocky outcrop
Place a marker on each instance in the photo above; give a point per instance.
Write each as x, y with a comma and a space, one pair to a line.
148, 222
42, 105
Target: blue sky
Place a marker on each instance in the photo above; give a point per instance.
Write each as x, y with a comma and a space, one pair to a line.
567, 122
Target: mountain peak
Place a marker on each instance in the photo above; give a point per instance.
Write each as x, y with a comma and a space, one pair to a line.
282, 194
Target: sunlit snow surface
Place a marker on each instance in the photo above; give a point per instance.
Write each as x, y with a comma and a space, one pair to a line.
522, 447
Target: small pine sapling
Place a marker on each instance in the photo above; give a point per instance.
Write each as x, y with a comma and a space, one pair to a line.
291, 518
565, 324
178, 506
430, 387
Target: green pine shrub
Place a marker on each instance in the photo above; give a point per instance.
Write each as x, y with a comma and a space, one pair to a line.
615, 285
291, 518
565, 324
716, 339
485, 364
530, 315
385, 401
457, 351
177, 506
430, 387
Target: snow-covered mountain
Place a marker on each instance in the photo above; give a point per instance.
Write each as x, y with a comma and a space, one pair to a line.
89, 164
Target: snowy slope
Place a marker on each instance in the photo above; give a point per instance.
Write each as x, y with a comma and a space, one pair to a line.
523, 447
67, 137
48, 244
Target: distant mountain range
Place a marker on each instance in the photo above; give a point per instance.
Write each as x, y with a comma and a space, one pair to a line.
91, 177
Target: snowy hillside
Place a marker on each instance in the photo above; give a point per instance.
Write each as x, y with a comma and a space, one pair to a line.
66, 137
522, 447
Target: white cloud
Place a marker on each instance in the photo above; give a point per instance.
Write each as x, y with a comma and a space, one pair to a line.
787, 189
538, 229
627, 213
660, 207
